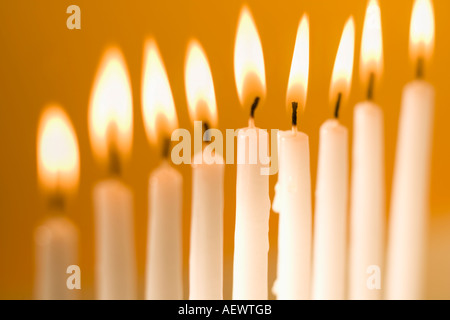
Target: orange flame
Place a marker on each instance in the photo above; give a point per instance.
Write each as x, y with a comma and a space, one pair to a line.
58, 158
343, 67
199, 85
421, 34
111, 107
371, 59
158, 107
249, 68
298, 79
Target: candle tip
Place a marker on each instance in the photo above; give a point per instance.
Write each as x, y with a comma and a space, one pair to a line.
166, 148
114, 162
56, 202
253, 108
294, 113
371, 86
420, 68
113, 151
207, 135
338, 105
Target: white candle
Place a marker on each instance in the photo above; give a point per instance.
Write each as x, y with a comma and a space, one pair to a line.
367, 204
165, 252
251, 241
56, 249
329, 253
56, 238
331, 213
110, 125
409, 207
410, 190
206, 247
293, 191
206, 256
367, 215
114, 238
295, 222
164, 266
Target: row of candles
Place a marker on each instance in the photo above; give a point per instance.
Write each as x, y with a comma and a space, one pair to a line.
308, 266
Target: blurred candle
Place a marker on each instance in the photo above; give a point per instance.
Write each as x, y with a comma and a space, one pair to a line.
367, 198
293, 191
410, 189
251, 242
56, 239
110, 131
206, 255
329, 264
164, 267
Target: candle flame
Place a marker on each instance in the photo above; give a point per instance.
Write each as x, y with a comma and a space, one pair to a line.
421, 42
58, 159
158, 107
298, 79
249, 68
371, 59
111, 107
199, 85
343, 67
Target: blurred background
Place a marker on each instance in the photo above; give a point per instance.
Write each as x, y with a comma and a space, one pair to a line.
41, 61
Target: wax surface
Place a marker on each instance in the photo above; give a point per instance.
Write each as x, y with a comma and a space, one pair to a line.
293, 198
56, 241
164, 266
367, 214
330, 224
251, 242
410, 194
206, 247
115, 249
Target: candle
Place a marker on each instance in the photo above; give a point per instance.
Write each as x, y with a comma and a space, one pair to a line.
164, 267
110, 130
367, 193
206, 254
410, 189
329, 252
293, 197
56, 238
251, 242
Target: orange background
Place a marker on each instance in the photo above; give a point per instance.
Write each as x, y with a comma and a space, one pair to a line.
41, 61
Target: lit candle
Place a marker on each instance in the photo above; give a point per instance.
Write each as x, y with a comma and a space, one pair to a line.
110, 130
367, 197
164, 247
56, 239
251, 242
206, 255
410, 189
293, 191
329, 255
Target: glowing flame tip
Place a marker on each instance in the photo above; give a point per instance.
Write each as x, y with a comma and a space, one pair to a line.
298, 78
158, 107
58, 159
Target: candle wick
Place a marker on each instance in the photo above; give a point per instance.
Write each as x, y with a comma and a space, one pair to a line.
114, 161
253, 108
56, 201
113, 154
207, 134
166, 148
294, 115
371, 86
338, 105
420, 72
